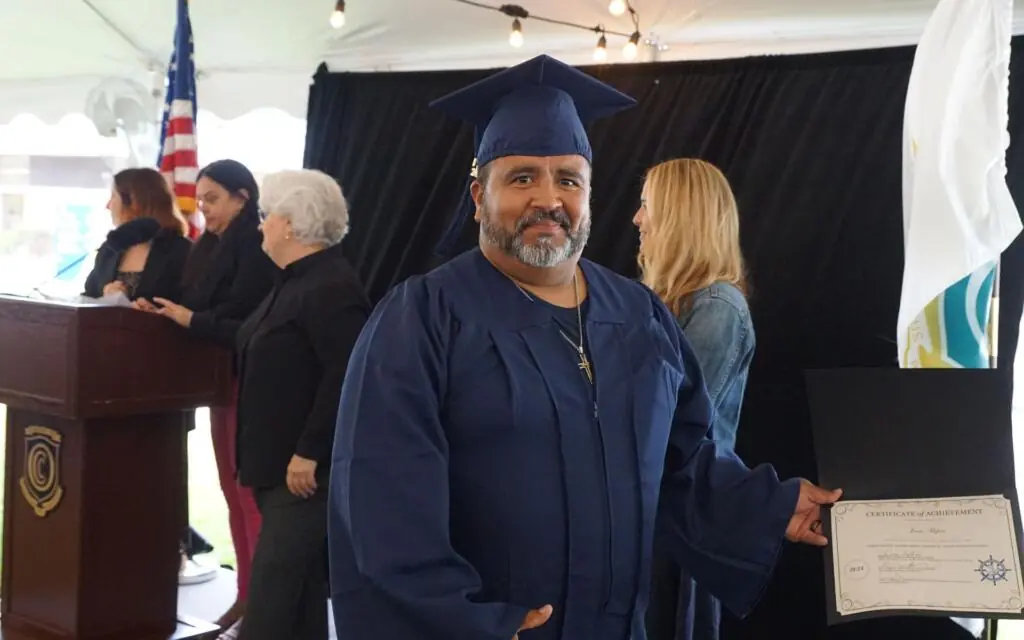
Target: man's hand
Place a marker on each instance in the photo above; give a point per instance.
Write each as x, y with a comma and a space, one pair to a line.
805, 525
301, 478
535, 618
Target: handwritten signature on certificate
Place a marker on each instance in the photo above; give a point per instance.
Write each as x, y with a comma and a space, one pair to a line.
944, 555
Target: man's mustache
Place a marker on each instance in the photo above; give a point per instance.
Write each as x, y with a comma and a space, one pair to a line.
556, 216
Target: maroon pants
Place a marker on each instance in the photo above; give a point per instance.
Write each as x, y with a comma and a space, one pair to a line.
243, 516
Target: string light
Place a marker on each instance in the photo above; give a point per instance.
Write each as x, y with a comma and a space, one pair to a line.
338, 16
616, 7
516, 37
601, 51
630, 50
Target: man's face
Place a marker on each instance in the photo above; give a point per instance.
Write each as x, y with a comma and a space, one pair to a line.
536, 210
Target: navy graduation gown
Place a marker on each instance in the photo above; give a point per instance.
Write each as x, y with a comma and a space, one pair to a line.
475, 476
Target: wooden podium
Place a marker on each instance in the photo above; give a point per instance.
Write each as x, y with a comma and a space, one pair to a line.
95, 487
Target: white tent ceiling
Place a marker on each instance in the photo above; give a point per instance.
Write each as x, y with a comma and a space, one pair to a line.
261, 53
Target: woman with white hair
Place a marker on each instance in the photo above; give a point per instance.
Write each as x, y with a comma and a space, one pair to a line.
292, 354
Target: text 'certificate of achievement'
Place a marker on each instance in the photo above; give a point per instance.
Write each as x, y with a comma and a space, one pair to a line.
942, 555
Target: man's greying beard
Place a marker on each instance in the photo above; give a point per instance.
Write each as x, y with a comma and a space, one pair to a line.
545, 253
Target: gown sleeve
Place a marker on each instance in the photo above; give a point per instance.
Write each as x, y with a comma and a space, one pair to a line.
394, 572
721, 520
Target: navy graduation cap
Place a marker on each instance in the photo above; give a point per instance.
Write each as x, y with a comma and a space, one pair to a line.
538, 108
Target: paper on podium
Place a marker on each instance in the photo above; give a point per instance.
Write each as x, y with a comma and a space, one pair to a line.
112, 300
929, 522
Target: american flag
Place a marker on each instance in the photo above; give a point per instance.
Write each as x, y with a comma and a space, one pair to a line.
178, 158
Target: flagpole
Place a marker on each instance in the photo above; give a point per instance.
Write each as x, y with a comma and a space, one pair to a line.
993, 319
992, 624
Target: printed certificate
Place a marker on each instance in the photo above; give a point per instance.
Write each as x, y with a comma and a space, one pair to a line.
947, 554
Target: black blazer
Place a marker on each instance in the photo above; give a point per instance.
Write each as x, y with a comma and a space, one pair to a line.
292, 353
235, 277
162, 275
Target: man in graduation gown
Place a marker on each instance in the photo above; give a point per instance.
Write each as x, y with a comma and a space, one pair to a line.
517, 425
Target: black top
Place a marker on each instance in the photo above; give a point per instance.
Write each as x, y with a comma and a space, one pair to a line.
131, 281
235, 277
162, 275
293, 353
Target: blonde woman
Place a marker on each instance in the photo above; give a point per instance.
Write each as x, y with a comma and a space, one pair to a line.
690, 257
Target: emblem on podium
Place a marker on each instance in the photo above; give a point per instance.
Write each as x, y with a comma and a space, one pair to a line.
40, 480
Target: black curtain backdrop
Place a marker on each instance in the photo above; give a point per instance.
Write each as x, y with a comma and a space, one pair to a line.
812, 146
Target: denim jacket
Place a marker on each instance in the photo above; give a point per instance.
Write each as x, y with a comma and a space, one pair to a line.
718, 326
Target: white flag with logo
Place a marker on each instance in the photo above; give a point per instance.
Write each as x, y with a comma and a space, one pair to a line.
958, 215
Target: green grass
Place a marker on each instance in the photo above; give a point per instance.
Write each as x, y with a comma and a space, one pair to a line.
208, 513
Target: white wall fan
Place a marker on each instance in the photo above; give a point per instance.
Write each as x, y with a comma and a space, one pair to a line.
120, 106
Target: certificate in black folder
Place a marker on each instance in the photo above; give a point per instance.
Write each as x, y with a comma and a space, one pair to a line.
929, 521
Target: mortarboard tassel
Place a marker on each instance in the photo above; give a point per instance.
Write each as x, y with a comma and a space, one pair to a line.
464, 212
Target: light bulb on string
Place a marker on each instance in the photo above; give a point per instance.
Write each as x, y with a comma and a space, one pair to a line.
516, 37
601, 51
617, 7
338, 16
630, 50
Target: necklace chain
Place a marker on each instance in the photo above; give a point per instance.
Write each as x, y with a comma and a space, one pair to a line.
584, 363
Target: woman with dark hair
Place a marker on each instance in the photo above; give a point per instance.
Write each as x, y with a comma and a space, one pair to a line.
227, 277
145, 254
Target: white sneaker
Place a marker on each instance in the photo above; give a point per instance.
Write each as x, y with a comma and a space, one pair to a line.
192, 572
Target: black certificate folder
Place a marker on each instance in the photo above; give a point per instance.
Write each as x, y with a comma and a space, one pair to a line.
911, 434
